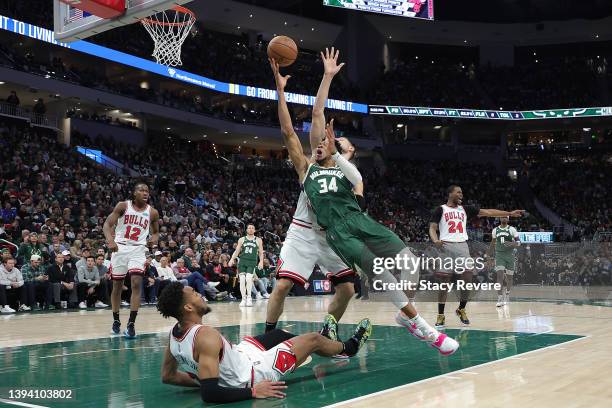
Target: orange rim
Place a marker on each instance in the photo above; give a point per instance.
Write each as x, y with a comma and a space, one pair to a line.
178, 9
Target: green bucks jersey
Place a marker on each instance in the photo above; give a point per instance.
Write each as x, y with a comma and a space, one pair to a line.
249, 252
503, 236
330, 194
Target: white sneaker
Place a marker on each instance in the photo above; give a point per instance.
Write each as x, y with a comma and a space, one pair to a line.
213, 284
445, 345
266, 296
243, 303
100, 304
124, 303
7, 309
258, 296
24, 308
82, 305
405, 321
500, 301
249, 302
507, 299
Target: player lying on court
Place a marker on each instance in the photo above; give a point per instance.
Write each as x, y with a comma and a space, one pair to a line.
355, 237
199, 356
305, 245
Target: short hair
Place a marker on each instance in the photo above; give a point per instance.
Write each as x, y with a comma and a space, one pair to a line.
90, 256
10, 258
170, 301
451, 188
99, 256
140, 183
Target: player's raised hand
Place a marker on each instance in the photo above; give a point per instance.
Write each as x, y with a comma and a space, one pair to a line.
517, 213
267, 389
330, 61
281, 81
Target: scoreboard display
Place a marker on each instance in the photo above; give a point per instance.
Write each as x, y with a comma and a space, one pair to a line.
403, 8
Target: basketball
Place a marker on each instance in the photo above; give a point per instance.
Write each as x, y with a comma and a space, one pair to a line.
283, 49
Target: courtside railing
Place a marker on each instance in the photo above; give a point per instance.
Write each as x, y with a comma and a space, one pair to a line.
36, 119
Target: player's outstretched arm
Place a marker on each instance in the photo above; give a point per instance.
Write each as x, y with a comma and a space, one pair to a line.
330, 69
484, 212
208, 347
111, 223
171, 375
236, 253
292, 141
260, 253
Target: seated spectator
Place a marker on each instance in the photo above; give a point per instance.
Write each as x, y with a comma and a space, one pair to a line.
36, 282
105, 278
90, 288
150, 282
267, 275
33, 247
11, 284
61, 283
166, 274
195, 280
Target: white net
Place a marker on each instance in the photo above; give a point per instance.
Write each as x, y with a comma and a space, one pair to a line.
169, 30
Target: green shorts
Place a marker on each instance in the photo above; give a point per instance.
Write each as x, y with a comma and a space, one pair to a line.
359, 240
504, 262
246, 268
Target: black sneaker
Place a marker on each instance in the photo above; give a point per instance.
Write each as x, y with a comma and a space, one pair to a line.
130, 331
362, 333
116, 327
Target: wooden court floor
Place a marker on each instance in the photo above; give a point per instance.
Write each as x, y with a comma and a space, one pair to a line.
526, 354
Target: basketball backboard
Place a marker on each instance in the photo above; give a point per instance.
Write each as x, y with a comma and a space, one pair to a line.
71, 24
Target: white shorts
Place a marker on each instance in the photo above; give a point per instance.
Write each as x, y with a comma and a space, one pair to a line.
269, 364
298, 258
128, 259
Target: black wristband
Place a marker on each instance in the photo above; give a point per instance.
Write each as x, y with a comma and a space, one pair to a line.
211, 391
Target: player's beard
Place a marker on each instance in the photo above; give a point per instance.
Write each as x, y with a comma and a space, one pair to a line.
204, 310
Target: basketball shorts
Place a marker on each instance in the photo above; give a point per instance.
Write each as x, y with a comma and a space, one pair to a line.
269, 364
246, 268
299, 257
504, 262
129, 259
454, 258
359, 240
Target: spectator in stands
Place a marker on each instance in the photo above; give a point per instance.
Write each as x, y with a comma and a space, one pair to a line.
195, 280
150, 282
36, 282
39, 107
11, 284
85, 253
13, 99
165, 273
90, 288
104, 277
61, 281
33, 247
267, 275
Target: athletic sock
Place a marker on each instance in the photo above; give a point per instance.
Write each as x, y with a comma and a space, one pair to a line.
462, 304
350, 346
441, 308
423, 326
115, 315
270, 326
133, 314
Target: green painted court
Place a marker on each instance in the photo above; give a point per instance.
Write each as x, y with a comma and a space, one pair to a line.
113, 372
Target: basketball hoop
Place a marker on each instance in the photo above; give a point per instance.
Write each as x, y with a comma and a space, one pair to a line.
169, 30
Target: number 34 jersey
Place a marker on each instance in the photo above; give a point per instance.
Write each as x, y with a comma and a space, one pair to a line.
133, 226
330, 194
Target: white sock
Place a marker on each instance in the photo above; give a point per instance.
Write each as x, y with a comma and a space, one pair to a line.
398, 297
243, 286
422, 325
249, 285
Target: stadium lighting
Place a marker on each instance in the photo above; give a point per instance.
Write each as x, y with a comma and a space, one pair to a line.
2, 82
255, 137
400, 125
586, 129
250, 16
438, 127
225, 132
205, 136
167, 128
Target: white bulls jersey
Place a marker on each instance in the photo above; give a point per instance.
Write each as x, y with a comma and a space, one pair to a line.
453, 224
235, 367
302, 223
133, 226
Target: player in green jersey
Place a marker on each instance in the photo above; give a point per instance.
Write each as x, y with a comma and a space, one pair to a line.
355, 237
504, 240
250, 253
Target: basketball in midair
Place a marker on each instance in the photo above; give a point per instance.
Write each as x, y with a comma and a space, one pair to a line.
283, 49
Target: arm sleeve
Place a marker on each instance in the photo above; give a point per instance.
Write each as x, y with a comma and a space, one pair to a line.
350, 171
211, 391
436, 215
471, 210
493, 233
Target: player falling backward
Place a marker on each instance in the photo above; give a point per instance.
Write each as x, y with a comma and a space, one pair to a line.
353, 235
199, 356
305, 245
126, 231
451, 219
504, 239
249, 251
